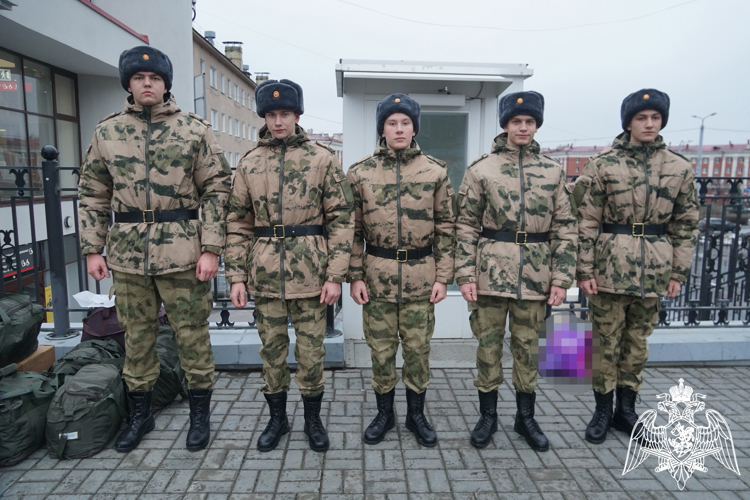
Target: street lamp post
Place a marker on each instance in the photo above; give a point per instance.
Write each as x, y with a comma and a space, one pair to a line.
700, 141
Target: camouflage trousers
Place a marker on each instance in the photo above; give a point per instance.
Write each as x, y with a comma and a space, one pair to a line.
487, 321
414, 323
309, 320
188, 303
623, 323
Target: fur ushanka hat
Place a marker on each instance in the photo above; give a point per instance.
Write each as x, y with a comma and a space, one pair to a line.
521, 103
148, 59
398, 103
642, 100
279, 94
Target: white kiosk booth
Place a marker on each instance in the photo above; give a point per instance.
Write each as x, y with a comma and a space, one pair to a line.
459, 120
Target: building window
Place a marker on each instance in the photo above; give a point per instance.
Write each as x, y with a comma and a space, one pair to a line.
243, 98
214, 119
255, 134
252, 104
728, 171
717, 160
716, 171
212, 77
695, 161
223, 122
729, 160
229, 88
577, 168
236, 128
30, 118
578, 160
223, 85
203, 67
229, 126
236, 93
705, 171
739, 170
243, 130
705, 161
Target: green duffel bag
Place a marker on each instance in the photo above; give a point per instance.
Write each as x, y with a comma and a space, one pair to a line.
21, 321
24, 400
86, 412
171, 381
89, 352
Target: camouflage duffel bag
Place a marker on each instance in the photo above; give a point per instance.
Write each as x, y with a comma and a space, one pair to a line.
171, 381
90, 352
24, 400
86, 412
20, 322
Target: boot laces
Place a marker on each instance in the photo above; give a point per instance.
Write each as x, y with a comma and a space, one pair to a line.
485, 422
421, 420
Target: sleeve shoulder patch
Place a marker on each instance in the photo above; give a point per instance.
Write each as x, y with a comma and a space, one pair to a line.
330, 150
439, 162
478, 160
110, 116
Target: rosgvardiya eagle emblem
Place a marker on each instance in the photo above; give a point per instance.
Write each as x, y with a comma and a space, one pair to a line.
681, 445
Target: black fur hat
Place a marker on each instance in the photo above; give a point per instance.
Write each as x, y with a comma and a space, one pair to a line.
642, 100
144, 58
279, 94
521, 103
398, 103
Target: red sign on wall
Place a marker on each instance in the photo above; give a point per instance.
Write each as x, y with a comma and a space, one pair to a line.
8, 86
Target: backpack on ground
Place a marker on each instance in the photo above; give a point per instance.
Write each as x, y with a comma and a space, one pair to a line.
87, 353
171, 381
24, 400
86, 412
20, 322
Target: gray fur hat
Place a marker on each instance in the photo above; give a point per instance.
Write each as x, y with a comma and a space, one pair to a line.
642, 100
279, 94
398, 103
521, 103
144, 58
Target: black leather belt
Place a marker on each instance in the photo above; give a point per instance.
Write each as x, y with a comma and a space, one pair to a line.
638, 229
519, 237
401, 255
152, 216
280, 232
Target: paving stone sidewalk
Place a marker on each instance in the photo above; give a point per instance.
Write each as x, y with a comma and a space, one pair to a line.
397, 468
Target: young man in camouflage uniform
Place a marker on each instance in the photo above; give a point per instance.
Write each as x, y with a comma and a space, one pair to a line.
403, 203
515, 253
643, 198
164, 176
288, 194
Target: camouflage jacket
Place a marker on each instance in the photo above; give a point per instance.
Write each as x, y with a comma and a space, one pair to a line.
636, 183
290, 182
402, 200
158, 160
515, 189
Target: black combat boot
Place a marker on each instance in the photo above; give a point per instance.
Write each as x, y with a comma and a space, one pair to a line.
314, 429
384, 421
525, 423
416, 422
140, 421
625, 416
278, 425
487, 425
200, 419
596, 431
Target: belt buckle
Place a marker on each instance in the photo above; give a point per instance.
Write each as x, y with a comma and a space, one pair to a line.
643, 229
406, 255
525, 237
283, 232
153, 217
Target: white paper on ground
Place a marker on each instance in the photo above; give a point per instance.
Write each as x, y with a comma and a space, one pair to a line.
88, 299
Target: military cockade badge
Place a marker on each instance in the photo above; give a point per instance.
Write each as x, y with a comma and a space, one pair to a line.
681, 446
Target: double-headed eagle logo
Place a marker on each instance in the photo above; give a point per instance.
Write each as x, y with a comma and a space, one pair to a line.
681, 446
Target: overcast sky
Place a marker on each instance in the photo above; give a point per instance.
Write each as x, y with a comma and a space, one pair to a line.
587, 55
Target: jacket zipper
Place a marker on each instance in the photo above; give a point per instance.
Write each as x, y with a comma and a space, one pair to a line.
398, 217
523, 221
148, 187
645, 216
281, 221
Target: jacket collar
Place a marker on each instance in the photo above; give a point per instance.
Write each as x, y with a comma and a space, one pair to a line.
501, 145
298, 138
636, 149
383, 151
164, 109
